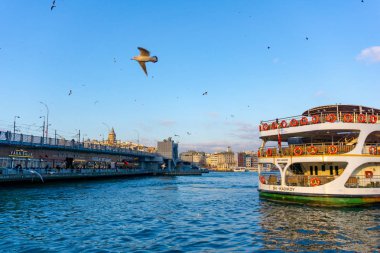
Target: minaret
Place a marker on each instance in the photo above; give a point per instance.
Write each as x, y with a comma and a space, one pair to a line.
112, 137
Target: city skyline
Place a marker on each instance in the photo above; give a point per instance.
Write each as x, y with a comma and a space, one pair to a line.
256, 60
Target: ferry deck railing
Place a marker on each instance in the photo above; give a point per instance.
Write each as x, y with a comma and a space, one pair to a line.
301, 120
332, 148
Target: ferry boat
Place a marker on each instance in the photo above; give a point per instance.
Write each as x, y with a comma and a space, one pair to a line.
329, 155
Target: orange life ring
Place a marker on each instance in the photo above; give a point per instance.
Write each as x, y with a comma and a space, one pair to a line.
258, 153
284, 124
312, 150
293, 123
373, 150
269, 152
314, 181
274, 125
331, 118
262, 179
297, 151
362, 118
348, 117
332, 149
368, 174
304, 121
315, 119
373, 119
265, 126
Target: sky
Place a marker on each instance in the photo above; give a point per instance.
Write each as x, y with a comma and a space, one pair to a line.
220, 47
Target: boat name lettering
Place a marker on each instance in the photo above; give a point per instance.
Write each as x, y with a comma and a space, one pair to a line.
282, 160
283, 188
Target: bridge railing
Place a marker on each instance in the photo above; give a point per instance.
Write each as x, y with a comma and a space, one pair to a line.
23, 139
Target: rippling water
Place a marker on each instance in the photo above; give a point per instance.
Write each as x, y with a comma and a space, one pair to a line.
215, 212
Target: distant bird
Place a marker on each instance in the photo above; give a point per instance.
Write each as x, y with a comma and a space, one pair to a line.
143, 58
70, 92
307, 38
362, 1
232, 115
188, 133
176, 135
53, 5
204, 93
268, 47
114, 60
96, 102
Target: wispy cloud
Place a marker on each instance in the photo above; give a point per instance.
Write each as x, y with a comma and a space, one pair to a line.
319, 93
370, 55
167, 123
243, 130
218, 146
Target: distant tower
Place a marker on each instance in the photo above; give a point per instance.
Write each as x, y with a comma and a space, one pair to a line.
112, 137
229, 149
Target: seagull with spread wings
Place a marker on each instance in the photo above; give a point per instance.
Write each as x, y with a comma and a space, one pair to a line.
143, 58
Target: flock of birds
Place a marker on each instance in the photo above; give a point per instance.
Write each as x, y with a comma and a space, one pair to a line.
145, 57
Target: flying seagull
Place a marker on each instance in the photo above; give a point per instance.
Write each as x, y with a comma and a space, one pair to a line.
204, 93
176, 135
268, 47
307, 38
188, 133
70, 92
143, 58
52, 5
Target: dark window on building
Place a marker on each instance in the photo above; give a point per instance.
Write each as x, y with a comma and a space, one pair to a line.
316, 170
331, 171
323, 167
311, 170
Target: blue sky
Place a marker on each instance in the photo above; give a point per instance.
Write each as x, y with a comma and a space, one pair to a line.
214, 46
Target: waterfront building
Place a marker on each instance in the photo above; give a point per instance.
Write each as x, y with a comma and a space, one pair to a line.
113, 142
169, 150
192, 156
221, 160
247, 159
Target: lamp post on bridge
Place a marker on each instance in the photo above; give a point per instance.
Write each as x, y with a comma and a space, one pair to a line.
14, 126
47, 119
43, 128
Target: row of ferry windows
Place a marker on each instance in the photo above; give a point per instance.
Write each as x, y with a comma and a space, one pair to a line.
314, 171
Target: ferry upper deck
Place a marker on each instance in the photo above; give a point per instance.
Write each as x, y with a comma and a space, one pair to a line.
324, 130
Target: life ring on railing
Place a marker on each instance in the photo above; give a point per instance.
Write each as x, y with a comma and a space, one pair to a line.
304, 121
331, 118
373, 150
293, 123
332, 149
269, 152
362, 118
315, 119
265, 126
373, 119
312, 150
297, 151
262, 179
274, 125
348, 117
314, 181
258, 153
368, 174
284, 124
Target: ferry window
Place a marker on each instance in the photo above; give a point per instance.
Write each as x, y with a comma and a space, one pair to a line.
336, 170
331, 171
311, 170
316, 170
323, 167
